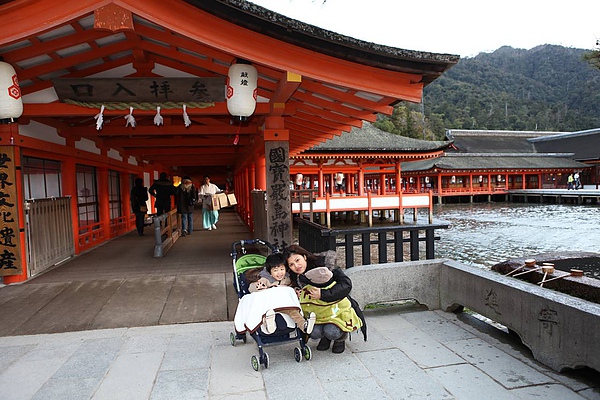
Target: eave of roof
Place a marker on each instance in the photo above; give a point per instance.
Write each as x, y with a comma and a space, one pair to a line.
262, 20
565, 135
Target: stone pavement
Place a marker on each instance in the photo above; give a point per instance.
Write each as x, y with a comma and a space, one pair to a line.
410, 354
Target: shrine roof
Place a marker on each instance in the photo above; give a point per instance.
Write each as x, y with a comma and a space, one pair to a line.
582, 145
369, 138
479, 161
270, 23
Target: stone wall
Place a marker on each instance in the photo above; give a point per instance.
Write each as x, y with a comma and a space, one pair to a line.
562, 331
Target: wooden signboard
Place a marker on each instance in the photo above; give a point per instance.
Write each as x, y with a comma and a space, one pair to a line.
279, 217
96, 90
10, 243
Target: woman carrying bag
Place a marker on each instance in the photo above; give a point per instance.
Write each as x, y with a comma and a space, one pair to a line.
138, 198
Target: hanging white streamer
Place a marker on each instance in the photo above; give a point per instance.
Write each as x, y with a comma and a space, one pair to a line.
186, 118
158, 119
129, 118
99, 118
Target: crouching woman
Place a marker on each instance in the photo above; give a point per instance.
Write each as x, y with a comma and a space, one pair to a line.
327, 294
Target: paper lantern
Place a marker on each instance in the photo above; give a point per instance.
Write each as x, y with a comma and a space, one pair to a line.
242, 80
11, 103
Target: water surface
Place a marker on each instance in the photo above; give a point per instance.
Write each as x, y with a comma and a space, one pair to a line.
483, 234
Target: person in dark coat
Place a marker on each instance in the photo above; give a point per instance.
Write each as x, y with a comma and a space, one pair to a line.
138, 198
186, 198
300, 263
162, 189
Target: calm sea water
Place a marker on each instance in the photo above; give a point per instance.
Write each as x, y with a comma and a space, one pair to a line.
484, 234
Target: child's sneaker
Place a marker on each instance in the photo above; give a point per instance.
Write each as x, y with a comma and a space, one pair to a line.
309, 324
269, 325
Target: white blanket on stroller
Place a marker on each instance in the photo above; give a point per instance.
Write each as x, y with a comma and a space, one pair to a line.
252, 307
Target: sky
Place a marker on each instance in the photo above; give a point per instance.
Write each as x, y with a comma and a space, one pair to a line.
460, 27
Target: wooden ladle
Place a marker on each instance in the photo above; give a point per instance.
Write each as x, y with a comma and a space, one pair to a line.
526, 272
530, 262
574, 272
547, 268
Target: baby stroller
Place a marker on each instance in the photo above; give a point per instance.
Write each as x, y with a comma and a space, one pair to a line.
284, 333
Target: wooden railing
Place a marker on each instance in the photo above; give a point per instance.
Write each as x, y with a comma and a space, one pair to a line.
167, 229
304, 201
121, 225
90, 235
318, 238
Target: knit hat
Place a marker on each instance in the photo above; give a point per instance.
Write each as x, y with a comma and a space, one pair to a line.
319, 275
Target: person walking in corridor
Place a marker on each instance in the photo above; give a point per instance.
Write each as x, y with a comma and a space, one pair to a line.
186, 199
162, 189
210, 217
138, 198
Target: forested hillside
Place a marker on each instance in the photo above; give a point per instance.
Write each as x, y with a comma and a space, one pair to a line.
549, 88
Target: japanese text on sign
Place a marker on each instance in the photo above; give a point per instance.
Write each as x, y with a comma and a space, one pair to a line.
10, 251
278, 194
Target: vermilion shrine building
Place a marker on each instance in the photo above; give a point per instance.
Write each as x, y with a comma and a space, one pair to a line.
115, 90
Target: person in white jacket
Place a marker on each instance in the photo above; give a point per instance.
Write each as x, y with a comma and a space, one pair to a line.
210, 217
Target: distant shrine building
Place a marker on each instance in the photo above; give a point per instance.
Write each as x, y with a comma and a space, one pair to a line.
480, 164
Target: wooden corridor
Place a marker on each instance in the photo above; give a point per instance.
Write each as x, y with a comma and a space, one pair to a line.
121, 284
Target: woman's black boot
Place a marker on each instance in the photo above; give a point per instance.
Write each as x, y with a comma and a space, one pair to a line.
339, 346
324, 344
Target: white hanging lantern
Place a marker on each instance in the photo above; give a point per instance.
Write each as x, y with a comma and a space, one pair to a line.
241, 91
11, 102
453, 179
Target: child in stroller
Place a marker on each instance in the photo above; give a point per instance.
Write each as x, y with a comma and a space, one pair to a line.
274, 274
267, 314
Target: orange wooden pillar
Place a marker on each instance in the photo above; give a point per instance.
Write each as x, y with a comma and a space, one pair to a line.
69, 188
321, 180
249, 183
398, 178
361, 180
260, 173
14, 252
470, 183
103, 202
125, 196
382, 185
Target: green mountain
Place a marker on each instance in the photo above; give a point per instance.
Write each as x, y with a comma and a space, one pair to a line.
547, 88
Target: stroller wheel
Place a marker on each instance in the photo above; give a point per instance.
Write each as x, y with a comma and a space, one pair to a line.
307, 353
255, 363
232, 339
297, 354
265, 360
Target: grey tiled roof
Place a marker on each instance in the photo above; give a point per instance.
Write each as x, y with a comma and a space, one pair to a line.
585, 145
493, 161
493, 144
371, 139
